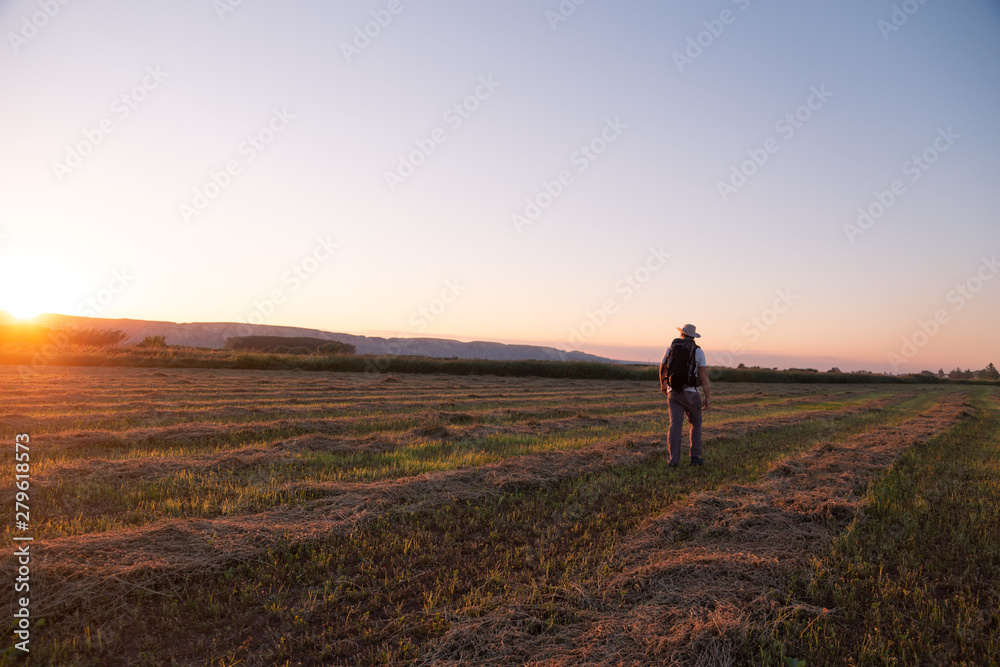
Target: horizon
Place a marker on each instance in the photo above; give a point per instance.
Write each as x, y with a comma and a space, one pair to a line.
716, 358
809, 185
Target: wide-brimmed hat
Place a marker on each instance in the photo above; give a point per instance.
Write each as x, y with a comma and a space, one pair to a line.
688, 330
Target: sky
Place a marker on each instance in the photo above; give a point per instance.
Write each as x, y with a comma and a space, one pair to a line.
810, 184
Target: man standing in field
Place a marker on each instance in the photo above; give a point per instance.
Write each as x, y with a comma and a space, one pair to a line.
682, 371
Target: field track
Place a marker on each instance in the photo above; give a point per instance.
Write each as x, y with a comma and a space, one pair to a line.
147, 483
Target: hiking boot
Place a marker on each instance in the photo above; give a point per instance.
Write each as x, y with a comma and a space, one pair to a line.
695, 461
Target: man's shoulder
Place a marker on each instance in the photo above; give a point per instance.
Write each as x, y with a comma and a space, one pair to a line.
699, 355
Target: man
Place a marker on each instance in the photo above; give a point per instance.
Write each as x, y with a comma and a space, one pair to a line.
682, 370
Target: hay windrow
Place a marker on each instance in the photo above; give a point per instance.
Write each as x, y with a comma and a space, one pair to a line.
157, 552
181, 434
690, 581
18, 422
90, 575
286, 450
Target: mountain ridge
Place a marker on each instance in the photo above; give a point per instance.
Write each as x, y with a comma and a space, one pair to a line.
214, 335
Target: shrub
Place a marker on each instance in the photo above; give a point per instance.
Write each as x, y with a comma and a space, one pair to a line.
336, 347
94, 337
153, 341
37, 335
288, 344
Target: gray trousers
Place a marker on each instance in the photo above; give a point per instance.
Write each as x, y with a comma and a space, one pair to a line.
684, 403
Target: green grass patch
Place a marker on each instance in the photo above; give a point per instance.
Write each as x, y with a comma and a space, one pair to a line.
916, 579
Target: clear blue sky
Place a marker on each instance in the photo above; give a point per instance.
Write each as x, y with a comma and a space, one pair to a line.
762, 263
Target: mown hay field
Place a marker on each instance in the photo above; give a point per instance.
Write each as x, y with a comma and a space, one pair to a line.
223, 517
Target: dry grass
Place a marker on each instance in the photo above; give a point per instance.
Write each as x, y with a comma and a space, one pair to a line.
693, 580
311, 464
143, 557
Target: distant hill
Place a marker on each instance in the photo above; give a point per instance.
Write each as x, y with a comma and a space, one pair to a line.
214, 335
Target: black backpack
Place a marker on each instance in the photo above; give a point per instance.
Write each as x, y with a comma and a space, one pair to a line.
680, 365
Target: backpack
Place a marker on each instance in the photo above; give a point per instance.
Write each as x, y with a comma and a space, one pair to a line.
680, 365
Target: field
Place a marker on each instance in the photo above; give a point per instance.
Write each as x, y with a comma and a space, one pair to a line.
254, 517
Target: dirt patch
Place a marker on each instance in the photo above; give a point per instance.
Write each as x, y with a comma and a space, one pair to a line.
691, 581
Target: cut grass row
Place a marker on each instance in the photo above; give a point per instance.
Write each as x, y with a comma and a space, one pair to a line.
389, 588
280, 402
82, 499
405, 429
90, 399
128, 433
917, 579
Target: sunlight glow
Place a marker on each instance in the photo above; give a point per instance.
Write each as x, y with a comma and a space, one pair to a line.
32, 283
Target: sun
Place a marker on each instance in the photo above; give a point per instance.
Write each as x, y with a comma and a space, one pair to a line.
22, 313
32, 283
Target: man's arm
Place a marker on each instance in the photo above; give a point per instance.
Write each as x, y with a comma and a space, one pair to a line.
705, 385
663, 375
